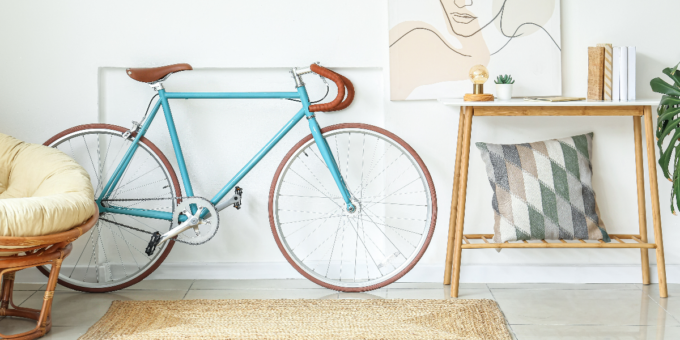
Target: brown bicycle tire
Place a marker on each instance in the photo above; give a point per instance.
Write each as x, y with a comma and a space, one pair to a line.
430, 184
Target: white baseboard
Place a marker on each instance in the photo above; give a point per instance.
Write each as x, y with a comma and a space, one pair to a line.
421, 273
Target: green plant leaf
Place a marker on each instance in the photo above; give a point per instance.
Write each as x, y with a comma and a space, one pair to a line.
669, 100
675, 68
668, 114
668, 130
670, 72
504, 79
660, 86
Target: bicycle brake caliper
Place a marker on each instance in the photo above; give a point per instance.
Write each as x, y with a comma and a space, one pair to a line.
135, 127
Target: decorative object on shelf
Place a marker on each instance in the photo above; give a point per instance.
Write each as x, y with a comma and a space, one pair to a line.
669, 117
433, 44
504, 87
595, 73
613, 71
543, 190
623, 67
607, 71
554, 99
478, 75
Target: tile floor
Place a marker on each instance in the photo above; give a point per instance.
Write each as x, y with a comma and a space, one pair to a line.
533, 311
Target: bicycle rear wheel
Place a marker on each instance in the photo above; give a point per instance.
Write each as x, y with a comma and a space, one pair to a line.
111, 256
387, 234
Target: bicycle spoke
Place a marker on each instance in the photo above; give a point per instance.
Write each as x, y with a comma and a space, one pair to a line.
313, 175
140, 176
81, 253
145, 176
407, 184
342, 249
402, 204
315, 187
94, 253
311, 219
89, 154
332, 248
120, 257
127, 243
311, 233
382, 175
403, 238
291, 234
103, 165
366, 248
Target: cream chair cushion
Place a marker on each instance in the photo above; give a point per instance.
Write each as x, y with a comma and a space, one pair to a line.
42, 190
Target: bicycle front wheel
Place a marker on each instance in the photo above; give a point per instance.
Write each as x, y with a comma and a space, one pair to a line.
391, 227
111, 255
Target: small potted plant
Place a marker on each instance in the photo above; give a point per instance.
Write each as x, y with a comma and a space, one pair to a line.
504, 87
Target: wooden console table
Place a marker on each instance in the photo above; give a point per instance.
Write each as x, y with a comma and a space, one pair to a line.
458, 241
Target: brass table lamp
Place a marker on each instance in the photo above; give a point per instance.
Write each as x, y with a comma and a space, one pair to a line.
478, 75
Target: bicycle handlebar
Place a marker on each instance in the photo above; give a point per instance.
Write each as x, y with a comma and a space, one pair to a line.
344, 86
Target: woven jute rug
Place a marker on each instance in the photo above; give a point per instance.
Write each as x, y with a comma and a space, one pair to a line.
301, 319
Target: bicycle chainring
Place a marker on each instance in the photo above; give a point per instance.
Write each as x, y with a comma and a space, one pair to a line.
206, 227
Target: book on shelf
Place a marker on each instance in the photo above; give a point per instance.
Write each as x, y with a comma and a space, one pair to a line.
618, 75
631, 72
623, 74
553, 99
595, 73
616, 72
608, 61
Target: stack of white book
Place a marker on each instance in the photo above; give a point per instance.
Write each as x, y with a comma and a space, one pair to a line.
623, 73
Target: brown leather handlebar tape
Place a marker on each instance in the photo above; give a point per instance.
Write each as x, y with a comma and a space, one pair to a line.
324, 72
350, 94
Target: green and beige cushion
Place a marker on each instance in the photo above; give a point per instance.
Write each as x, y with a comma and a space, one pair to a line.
543, 190
42, 190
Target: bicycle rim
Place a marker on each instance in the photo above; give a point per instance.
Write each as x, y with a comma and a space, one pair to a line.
396, 209
110, 256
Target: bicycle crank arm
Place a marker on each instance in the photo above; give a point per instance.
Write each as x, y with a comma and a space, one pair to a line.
189, 223
234, 200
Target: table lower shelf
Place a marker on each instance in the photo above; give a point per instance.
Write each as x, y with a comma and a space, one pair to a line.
617, 241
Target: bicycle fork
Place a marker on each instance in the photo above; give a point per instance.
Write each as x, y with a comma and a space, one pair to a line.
326, 151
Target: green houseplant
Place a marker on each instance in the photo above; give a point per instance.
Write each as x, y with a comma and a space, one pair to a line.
668, 130
504, 79
504, 87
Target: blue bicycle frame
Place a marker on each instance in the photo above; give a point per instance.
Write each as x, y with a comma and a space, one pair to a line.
163, 97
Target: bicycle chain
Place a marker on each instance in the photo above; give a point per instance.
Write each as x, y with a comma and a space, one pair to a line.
126, 226
144, 200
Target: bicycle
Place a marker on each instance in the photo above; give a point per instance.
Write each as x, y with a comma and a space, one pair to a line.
352, 207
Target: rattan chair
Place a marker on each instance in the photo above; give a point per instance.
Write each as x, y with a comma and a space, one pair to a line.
35, 251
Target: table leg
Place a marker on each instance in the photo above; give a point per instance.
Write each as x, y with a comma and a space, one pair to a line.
454, 201
656, 211
642, 211
460, 217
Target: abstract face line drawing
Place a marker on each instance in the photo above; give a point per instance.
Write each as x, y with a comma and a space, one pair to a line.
423, 55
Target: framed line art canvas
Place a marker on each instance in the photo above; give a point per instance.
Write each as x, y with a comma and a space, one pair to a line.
434, 43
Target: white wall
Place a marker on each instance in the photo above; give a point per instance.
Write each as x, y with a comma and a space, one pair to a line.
72, 54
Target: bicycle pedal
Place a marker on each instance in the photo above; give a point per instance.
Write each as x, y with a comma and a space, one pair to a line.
153, 243
239, 192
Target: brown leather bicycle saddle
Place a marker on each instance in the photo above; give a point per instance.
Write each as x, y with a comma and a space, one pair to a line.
153, 74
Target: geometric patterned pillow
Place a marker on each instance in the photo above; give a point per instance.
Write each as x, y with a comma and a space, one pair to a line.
543, 190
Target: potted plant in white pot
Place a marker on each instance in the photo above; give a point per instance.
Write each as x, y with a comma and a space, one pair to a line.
504, 87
